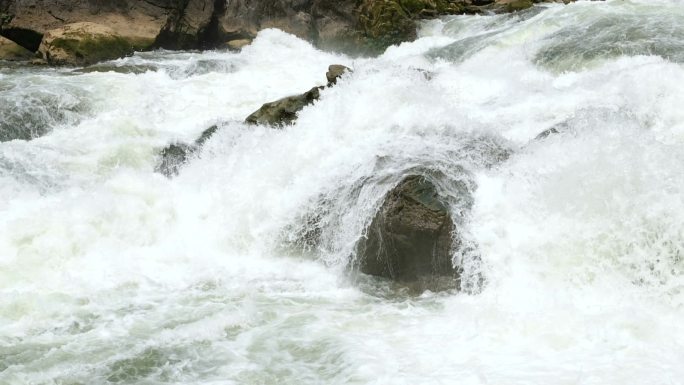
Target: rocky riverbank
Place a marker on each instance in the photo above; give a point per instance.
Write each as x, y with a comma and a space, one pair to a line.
86, 31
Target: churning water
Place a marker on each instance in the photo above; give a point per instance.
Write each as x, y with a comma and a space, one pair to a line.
574, 270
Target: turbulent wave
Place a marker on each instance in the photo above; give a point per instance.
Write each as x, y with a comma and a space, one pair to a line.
110, 273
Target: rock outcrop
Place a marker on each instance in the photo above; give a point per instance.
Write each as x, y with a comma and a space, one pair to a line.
135, 20
410, 239
86, 43
284, 111
10, 50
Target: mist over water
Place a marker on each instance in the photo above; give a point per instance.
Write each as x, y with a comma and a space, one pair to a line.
573, 270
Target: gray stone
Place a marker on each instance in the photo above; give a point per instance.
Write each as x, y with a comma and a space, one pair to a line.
283, 111
410, 238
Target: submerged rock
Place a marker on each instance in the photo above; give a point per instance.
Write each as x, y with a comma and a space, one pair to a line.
29, 20
86, 43
410, 239
173, 157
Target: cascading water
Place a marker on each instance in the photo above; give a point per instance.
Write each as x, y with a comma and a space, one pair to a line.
110, 273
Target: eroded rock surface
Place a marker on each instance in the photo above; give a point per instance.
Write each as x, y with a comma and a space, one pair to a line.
284, 111
86, 43
10, 50
173, 157
410, 239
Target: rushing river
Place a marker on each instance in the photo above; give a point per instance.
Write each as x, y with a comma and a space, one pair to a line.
574, 274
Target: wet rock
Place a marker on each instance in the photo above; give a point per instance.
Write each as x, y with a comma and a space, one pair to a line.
410, 239
352, 26
335, 71
10, 50
283, 111
238, 44
193, 24
557, 129
546, 133
173, 157
86, 43
516, 5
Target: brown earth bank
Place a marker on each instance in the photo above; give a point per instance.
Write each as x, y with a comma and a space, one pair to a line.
363, 27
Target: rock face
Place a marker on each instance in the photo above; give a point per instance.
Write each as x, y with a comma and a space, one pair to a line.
10, 50
136, 20
353, 26
86, 43
410, 238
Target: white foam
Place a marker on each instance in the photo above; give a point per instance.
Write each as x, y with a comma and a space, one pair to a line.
109, 272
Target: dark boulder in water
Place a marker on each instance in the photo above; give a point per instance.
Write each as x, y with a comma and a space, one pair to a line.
410, 239
335, 71
283, 111
173, 157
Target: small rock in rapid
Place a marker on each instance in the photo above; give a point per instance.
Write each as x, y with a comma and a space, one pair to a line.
335, 71
173, 157
283, 111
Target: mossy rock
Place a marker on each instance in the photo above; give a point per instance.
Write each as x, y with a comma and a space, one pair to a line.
87, 43
95, 49
9, 50
388, 22
518, 5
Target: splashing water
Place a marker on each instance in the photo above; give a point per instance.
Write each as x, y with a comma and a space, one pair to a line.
110, 273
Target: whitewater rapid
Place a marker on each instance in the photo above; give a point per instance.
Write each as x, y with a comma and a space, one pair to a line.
111, 273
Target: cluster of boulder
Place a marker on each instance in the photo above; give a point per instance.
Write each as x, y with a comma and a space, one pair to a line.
275, 114
79, 32
409, 241
411, 238
413, 235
